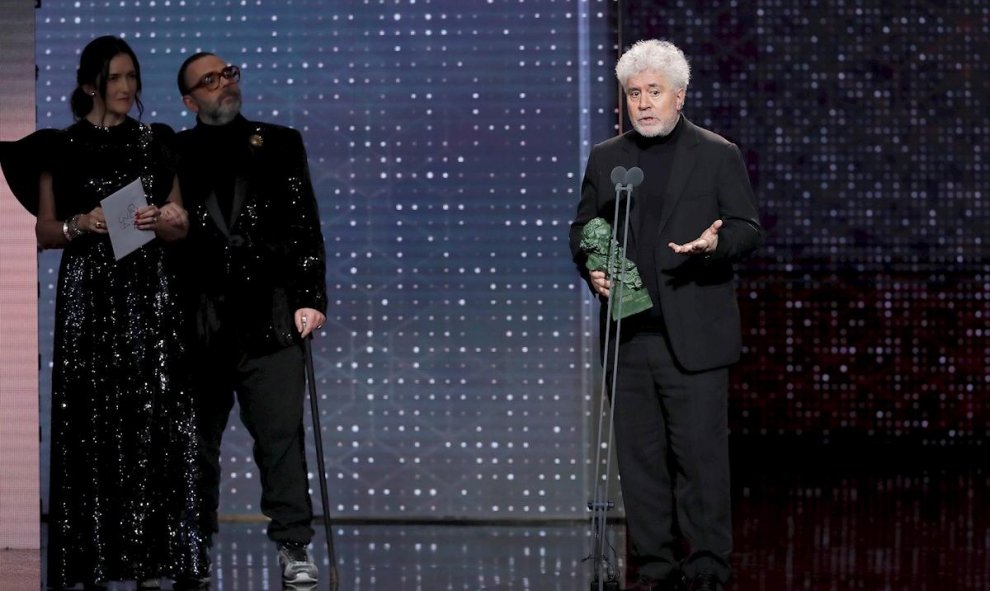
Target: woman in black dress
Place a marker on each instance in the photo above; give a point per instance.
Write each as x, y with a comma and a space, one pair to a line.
123, 500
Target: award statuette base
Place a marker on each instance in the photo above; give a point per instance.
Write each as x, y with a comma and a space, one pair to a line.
633, 301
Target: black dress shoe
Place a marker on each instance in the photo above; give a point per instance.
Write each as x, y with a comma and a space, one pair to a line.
705, 582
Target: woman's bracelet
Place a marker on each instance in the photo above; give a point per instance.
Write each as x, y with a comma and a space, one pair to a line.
71, 229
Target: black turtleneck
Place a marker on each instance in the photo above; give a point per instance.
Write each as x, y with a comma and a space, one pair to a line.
656, 159
228, 145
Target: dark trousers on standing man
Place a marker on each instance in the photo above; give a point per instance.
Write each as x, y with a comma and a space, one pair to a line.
671, 436
270, 390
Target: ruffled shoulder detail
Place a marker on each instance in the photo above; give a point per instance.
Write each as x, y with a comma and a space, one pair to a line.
24, 160
162, 132
163, 145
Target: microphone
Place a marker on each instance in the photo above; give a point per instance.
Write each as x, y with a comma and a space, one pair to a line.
619, 175
633, 177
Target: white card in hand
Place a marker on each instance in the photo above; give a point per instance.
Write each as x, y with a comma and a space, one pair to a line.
119, 209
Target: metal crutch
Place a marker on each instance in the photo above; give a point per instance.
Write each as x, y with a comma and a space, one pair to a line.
320, 463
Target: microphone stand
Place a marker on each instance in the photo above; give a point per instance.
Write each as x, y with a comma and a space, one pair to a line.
604, 571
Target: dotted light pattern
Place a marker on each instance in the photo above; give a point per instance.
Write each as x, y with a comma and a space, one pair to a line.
863, 126
446, 142
423, 557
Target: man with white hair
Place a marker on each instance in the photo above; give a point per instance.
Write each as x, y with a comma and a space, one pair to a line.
692, 217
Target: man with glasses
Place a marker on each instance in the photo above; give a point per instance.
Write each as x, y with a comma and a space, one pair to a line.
256, 273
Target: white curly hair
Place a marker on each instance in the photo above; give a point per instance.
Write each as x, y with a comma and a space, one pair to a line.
662, 57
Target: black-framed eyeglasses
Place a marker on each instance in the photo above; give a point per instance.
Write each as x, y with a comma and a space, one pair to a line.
211, 81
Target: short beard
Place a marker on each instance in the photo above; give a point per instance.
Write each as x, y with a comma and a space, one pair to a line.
663, 131
224, 113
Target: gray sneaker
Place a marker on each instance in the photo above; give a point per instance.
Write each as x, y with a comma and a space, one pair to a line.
296, 563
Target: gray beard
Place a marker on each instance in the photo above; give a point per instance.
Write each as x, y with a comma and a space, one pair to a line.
664, 130
223, 114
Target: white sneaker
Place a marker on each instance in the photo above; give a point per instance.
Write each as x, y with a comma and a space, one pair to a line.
296, 563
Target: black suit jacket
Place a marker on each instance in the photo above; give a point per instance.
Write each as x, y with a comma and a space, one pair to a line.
708, 181
248, 277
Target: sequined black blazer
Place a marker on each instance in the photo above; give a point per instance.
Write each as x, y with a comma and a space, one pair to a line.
246, 278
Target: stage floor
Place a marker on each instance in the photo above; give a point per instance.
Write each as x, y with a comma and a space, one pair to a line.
803, 524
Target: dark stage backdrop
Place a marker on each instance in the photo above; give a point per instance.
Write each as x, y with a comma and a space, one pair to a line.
447, 141
863, 125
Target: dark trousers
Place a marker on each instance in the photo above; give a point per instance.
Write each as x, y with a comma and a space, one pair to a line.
671, 437
270, 390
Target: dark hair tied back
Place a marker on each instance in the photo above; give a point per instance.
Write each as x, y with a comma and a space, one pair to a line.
94, 69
